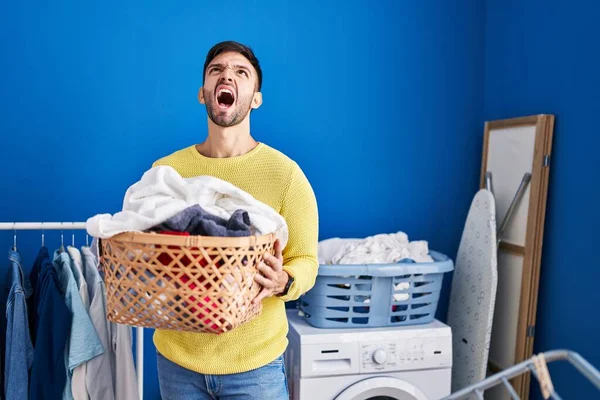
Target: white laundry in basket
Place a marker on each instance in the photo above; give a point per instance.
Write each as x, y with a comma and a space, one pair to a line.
377, 249
162, 193
402, 296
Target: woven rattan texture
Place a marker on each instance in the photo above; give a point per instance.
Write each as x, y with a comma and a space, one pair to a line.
185, 283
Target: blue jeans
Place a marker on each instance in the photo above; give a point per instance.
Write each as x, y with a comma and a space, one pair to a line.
265, 383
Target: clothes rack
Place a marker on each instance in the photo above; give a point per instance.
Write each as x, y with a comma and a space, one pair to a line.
70, 226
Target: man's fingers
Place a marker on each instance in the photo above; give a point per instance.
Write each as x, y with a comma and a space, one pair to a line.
273, 262
277, 248
267, 271
263, 293
263, 281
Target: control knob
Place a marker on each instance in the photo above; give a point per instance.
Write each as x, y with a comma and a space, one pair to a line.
380, 356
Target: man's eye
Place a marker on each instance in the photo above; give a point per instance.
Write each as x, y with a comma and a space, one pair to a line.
242, 72
215, 69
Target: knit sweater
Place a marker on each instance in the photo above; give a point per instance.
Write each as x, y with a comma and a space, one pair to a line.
276, 180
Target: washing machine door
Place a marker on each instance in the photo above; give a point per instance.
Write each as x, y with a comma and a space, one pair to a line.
382, 388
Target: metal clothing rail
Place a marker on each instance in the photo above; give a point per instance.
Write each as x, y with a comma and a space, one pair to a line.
67, 226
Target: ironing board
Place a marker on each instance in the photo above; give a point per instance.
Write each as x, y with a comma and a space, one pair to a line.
473, 293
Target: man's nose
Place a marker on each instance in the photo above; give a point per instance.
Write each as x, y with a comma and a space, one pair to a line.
227, 75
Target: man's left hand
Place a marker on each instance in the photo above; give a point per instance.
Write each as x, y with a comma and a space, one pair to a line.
271, 275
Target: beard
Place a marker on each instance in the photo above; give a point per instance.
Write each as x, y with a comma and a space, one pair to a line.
226, 120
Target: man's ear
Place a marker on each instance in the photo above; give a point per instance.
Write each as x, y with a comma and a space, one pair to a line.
201, 96
257, 100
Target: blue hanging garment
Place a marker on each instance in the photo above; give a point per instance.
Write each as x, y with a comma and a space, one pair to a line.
53, 322
18, 347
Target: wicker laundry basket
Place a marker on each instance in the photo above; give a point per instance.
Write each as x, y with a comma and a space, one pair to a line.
185, 283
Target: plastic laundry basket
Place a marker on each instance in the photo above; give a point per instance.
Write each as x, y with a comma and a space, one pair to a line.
377, 295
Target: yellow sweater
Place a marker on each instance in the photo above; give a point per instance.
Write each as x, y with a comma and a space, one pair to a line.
274, 179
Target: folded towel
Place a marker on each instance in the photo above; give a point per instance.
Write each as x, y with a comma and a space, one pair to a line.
162, 193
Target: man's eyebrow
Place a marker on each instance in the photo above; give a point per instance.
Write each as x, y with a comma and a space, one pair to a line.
221, 65
216, 65
243, 67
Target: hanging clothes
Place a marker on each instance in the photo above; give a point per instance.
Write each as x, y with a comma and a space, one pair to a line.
78, 383
33, 300
124, 368
77, 269
120, 339
83, 344
18, 349
59, 343
99, 379
53, 321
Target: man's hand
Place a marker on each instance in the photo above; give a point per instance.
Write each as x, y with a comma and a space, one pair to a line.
271, 275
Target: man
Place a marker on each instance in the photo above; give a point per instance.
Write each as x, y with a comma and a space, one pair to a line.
247, 362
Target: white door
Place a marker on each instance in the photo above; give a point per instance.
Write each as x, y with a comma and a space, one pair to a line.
382, 388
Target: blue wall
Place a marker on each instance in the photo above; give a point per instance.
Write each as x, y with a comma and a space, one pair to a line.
544, 57
381, 106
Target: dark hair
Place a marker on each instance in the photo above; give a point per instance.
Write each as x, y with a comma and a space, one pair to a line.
230, 45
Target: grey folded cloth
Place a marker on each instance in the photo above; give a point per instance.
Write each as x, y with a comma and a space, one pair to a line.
197, 221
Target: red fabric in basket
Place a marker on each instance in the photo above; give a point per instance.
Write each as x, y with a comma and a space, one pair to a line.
203, 306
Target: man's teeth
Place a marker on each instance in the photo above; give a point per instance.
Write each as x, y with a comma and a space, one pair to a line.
225, 91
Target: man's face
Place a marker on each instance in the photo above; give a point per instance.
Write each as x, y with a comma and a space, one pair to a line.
229, 90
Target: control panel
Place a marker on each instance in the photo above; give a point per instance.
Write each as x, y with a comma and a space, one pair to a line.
378, 356
413, 353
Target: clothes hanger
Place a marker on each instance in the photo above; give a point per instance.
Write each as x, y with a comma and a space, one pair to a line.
61, 249
14, 238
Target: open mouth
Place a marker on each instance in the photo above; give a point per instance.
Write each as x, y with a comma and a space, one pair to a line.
225, 98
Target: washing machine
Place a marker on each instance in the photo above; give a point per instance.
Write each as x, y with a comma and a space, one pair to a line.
399, 363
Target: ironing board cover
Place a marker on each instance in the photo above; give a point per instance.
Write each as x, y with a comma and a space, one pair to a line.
473, 293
